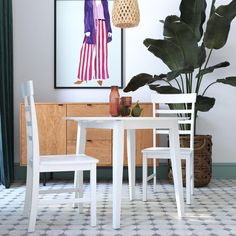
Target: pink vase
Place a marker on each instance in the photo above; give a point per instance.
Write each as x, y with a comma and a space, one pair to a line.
114, 101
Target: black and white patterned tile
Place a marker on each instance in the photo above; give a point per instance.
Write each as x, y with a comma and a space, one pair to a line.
212, 212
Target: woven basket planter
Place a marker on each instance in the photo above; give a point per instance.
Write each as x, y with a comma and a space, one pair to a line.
125, 13
202, 160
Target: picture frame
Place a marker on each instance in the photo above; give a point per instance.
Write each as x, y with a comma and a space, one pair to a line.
69, 41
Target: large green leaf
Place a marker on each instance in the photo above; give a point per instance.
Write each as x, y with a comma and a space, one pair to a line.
228, 80
212, 68
204, 103
218, 26
179, 33
193, 14
201, 55
173, 74
168, 52
140, 80
165, 89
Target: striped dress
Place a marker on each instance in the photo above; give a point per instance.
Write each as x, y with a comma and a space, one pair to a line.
93, 62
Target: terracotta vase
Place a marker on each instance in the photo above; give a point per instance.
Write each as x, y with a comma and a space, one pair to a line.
114, 101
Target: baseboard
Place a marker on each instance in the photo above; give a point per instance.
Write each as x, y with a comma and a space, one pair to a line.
219, 171
103, 173
224, 170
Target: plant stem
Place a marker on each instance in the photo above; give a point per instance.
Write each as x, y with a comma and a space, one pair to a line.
182, 82
208, 58
187, 82
191, 82
195, 120
208, 87
167, 82
200, 78
197, 85
212, 7
178, 84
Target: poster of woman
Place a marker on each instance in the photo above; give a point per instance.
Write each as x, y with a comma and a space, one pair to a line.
88, 49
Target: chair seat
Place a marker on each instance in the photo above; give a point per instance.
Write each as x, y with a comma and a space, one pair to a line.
164, 152
66, 162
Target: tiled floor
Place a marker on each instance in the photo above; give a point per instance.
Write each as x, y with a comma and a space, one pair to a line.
213, 212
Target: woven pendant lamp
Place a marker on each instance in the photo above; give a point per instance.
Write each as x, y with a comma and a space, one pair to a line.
125, 13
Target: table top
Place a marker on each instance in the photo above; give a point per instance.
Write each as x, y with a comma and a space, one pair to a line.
120, 118
126, 122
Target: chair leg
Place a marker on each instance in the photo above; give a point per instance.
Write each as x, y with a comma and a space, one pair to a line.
154, 175
188, 180
131, 162
44, 179
192, 173
34, 202
93, 195
144, 179
28, 190
78, 184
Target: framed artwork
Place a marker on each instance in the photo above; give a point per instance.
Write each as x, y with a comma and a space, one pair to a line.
88, 48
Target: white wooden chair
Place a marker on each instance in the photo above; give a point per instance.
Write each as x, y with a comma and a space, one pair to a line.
53, 163
185, 108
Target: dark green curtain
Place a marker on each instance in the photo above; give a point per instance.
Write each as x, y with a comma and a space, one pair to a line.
6, 94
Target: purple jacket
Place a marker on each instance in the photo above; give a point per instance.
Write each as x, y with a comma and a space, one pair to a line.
89, 20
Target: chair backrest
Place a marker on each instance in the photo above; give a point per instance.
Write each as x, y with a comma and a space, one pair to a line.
182, 105
31, 123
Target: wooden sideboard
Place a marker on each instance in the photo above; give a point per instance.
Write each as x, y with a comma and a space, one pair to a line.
58, 136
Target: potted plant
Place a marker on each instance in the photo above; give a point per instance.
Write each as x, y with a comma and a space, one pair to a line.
186, 49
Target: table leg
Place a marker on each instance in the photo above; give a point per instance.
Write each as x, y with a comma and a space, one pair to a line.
118, 154
176, 168
131, 162
80, 148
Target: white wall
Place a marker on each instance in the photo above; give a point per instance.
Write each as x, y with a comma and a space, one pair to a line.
34, 59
